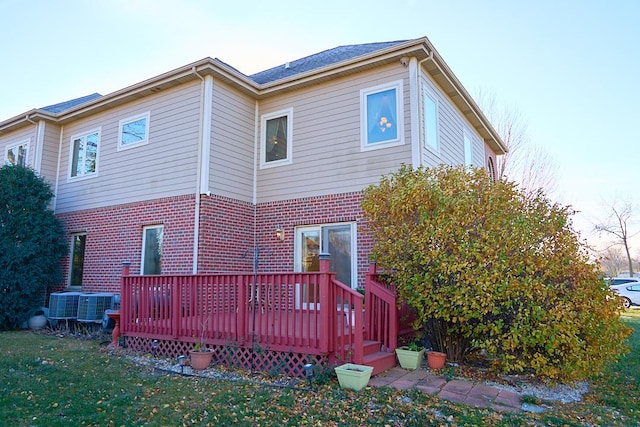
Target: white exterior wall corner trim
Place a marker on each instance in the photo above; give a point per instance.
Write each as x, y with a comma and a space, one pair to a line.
206, 134
39, 146
414, 102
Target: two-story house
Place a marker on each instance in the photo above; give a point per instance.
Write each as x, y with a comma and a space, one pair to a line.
201, 168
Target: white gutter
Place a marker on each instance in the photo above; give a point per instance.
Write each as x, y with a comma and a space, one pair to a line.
256, 142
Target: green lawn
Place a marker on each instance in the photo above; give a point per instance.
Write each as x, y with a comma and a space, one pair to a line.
52, 381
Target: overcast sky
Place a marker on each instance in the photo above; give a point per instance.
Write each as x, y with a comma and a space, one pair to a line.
570, 68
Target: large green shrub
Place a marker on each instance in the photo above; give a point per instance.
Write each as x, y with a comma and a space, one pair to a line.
31, 244
486, 267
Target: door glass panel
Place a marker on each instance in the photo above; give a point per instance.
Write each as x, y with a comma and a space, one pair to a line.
310, 261
337, 242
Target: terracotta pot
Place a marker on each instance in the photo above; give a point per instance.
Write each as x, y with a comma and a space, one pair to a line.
201, 359
436, 359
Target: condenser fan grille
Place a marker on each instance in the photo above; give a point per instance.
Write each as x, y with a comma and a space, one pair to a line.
63, 305
91, 307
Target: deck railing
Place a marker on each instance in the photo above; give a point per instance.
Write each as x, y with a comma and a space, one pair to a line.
386, 320
310, 313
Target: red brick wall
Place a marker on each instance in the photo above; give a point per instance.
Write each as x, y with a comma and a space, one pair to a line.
309, 211
114, 235
226, 235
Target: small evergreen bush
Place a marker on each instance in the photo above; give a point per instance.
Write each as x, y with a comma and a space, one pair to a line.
31, 244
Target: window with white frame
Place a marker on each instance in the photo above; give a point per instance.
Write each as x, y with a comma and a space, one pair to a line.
431, 139
78, 243
16, 154
84, 154
276, 141
133, 131
381, 116
467, 149
152, 238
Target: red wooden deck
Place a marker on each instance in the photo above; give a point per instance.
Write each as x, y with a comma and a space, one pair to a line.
304, 316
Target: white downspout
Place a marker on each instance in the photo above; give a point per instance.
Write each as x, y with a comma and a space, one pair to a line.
256, 142
204, 144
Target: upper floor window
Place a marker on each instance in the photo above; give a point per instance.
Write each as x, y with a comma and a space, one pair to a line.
16, 154
381, 120
468, 161
134, 131
84, 154
430, 112
276, 139
492, 170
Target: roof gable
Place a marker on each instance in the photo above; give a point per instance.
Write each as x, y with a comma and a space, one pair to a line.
319, 60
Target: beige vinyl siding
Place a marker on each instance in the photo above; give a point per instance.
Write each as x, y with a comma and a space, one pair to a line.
50, 149
327, 156
232, 146
21, 135
451, 125
165, 167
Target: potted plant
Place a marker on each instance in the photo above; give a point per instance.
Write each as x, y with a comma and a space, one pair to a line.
436, 359
353, 376
410, 356
201, 356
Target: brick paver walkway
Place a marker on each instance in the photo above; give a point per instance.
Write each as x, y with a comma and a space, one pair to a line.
459, 391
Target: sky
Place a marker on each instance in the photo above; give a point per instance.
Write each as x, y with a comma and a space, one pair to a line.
570, 68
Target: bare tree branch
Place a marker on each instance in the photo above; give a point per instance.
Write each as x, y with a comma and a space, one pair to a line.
620, 219
526, 163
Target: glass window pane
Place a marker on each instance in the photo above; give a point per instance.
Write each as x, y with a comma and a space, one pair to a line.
152, 250
77, 259
381, 116
276, 143
430, 122
92, 153
134, 131
337, 242
78, 155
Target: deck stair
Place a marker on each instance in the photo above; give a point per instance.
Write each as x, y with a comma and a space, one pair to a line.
374, 356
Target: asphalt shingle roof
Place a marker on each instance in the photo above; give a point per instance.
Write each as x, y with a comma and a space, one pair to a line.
319, 60
62, 106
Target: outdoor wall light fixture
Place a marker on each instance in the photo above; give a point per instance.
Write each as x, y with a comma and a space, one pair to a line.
309, 372
182, 361
280, 232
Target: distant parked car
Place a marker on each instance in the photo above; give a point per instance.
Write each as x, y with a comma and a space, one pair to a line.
622, 280
629, 292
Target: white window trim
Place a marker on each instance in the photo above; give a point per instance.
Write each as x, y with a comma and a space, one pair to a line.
144, 243
25, 142
427, 93
263, 138
131, 119
70, 178
364, 144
